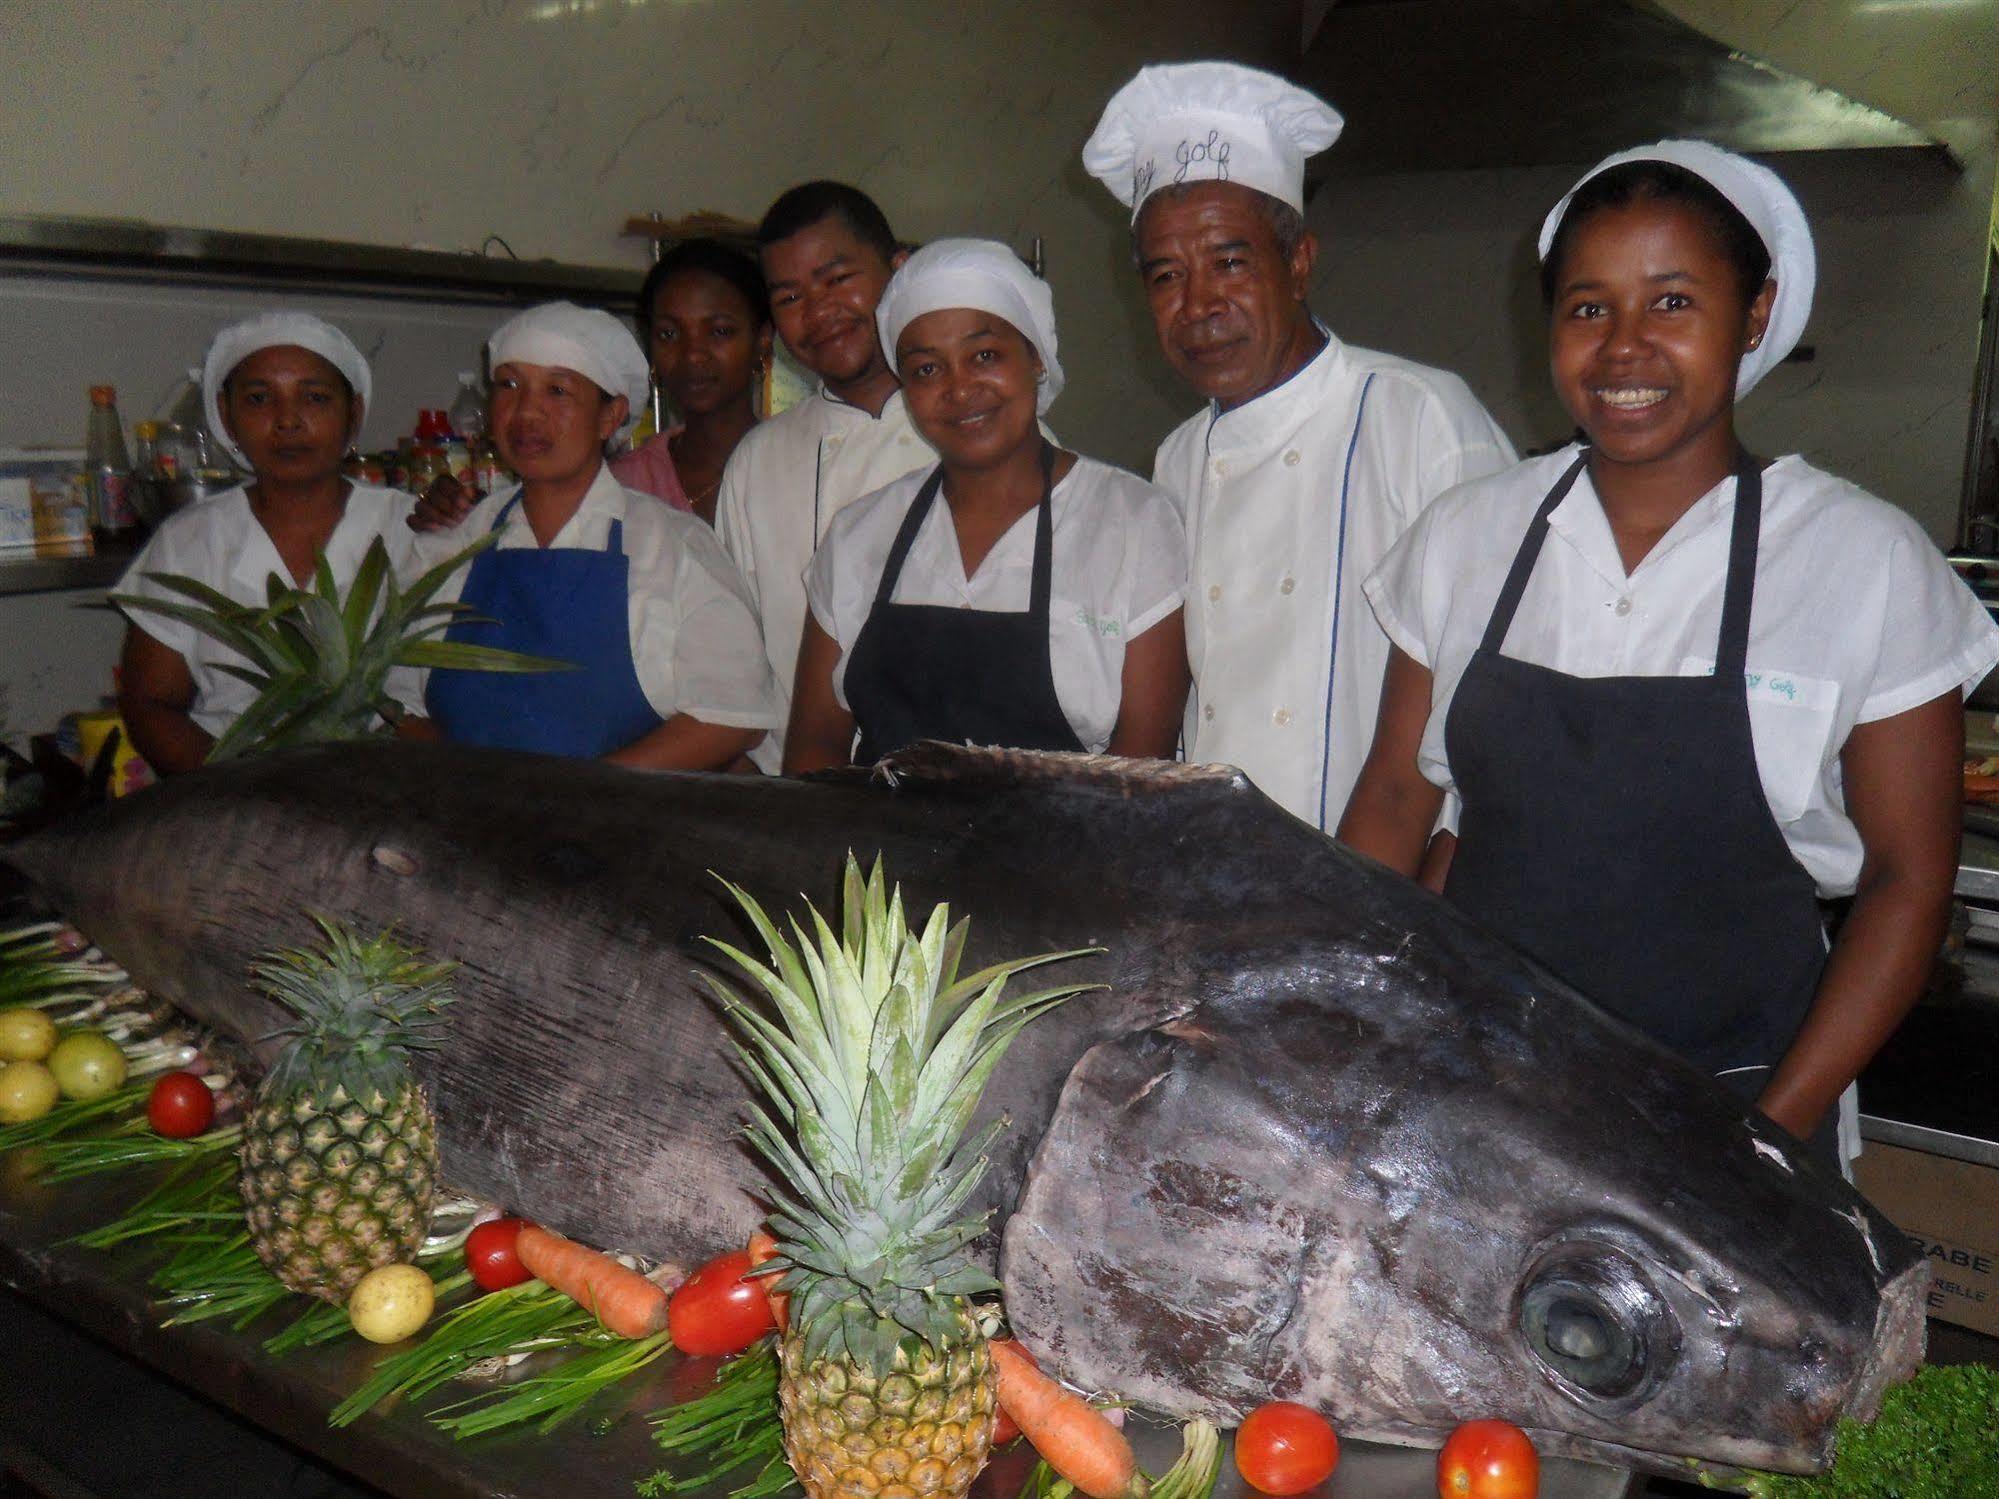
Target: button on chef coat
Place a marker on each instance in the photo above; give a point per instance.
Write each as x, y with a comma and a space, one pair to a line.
1118, 565
220, 542
1290, 502
1857, 617
694, 641
781, 489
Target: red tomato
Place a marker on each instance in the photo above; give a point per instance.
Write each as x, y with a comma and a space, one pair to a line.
1286, 1448
1004, 1429
720, 1308
493, 1256
180, 1106
1488, 1460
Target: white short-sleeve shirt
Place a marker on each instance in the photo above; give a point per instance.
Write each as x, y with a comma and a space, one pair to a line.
219, 541
1118, 566
1856, 617
694, 640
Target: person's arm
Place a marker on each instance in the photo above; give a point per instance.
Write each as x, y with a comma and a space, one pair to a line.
684, 743
1153, 695
821, 734
444, 505
1393, 806
1904, 792
155, 692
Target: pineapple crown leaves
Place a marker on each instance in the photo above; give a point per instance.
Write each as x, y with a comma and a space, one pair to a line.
871, 1060
361, 1006
319, 660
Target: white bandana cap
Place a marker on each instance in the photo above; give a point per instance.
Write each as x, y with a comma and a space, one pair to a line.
275, 330
587, 340
1763, 198
1209, 122
982, 274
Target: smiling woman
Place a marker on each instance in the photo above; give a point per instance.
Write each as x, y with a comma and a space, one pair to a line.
1039, 607
1679, 694
287, 393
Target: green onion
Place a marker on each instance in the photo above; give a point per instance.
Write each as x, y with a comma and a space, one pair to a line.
548, 1400
131, 1145
734, 1424
71, 1115
1200, 1464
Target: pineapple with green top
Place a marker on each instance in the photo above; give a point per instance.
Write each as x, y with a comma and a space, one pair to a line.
338, 1165
872, 1068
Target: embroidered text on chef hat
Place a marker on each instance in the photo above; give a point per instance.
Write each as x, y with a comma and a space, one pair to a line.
976, 273
276, 330
1773, 211
587, 340
1209, 122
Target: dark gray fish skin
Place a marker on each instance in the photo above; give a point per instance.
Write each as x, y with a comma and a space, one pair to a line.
1319, 1137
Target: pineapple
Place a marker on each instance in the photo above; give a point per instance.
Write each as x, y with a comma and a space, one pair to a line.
872, 1070
339, 1157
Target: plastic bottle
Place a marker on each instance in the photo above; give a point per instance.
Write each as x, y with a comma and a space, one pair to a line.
107, 467
144, 488
468, 409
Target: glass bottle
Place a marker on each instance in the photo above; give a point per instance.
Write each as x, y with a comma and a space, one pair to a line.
107, 468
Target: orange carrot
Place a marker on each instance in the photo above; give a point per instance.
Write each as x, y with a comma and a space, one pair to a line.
1076, 1441
762, 1247
623, 1300
1005, 1428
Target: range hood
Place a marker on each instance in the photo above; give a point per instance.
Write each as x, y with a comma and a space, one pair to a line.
1457, 84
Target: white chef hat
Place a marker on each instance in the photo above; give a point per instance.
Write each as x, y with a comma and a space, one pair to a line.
584, 339
274, 330
1209, 122
977, 273
1763, 198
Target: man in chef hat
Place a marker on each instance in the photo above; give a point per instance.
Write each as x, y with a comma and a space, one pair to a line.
1312, 455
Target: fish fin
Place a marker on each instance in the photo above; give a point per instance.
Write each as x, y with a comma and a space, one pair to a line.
932, 762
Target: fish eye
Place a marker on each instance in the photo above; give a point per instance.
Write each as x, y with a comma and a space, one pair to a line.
1595, 1323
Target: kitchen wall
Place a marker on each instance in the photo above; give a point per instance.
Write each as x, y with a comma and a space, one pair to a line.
546, 123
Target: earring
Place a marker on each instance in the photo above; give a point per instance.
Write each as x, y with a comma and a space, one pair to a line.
1041, 377
1755, 339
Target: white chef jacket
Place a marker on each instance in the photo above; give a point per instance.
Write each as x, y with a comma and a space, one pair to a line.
693, 635
219, 541
781, 489
1856, 617
1117, 567
1291, 500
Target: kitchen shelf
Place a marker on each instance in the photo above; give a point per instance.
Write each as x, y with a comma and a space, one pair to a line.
32, 574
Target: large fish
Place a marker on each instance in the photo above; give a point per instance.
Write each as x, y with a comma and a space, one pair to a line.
1319, 1136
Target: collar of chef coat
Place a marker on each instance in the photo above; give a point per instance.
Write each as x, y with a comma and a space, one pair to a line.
258, 557
1271, 419
892, 409
1581, 522
588, 529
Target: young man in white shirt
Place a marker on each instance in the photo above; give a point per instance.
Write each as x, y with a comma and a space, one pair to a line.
827, 255
1311, 457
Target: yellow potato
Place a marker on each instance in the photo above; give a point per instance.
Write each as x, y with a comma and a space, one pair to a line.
25, 1035
87, 1064
27, 1091
389, 1304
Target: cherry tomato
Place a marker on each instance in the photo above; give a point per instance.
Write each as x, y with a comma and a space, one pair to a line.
492, 1256
180, 1106
1286, 1448
720, 1308
1488, 1460
1004, 1429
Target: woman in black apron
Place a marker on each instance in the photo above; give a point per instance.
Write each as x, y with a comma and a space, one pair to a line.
906, 639
1618, 826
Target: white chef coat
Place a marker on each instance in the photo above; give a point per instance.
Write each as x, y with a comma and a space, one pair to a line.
1117, 567
781, 489
219, 541
1856, 617
694, 641
1291, 500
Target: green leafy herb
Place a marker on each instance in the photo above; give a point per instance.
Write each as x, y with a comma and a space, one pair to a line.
130, 1145
731, 1426
72, 1115
320, 661
547, 1400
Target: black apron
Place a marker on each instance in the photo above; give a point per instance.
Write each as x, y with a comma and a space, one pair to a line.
966, 676
1616, 829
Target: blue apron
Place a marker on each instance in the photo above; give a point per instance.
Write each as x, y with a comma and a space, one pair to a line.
568, 603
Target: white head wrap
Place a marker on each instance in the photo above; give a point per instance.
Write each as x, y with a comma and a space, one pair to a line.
1763, 198
1209, 122
584, 339
977, 273
274, 330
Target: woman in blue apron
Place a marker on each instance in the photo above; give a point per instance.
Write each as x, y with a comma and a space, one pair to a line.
1014, 595
1678, 694
668, 669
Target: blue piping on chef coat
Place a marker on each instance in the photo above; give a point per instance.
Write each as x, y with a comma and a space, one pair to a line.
1339, 572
